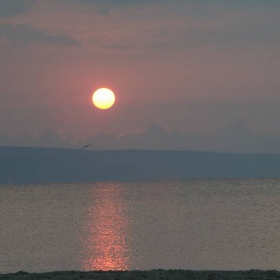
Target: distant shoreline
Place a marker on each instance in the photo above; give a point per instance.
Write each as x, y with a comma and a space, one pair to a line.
47, 166
148, 275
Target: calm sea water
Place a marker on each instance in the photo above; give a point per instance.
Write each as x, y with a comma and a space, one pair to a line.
217, 224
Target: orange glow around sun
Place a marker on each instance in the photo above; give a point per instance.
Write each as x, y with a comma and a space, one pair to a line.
103, 98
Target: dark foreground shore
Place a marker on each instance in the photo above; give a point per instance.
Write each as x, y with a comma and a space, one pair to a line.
147, 275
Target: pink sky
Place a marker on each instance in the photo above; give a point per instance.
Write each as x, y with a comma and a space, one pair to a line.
192, 66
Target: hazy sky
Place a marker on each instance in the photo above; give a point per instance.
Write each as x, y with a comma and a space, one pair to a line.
201, 67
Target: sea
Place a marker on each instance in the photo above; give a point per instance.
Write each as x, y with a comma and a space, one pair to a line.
141, 225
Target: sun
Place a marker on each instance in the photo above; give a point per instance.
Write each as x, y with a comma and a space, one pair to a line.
103, 98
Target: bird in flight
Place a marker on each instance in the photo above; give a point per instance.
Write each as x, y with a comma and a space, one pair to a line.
87, 146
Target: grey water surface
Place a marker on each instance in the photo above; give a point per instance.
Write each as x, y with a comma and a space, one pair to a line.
194, 224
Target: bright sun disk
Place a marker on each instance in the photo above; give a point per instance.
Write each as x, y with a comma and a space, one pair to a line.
103, 98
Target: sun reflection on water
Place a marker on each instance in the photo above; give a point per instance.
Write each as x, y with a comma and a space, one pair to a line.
106, 246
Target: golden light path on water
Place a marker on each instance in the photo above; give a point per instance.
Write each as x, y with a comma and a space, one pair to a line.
106, 245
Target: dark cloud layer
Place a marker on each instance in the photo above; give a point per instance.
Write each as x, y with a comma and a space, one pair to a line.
9, 8
25, 35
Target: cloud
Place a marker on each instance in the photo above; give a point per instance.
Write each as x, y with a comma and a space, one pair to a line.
198, 36
157, 24
226, 37
103, 12
235, 138
116, 2
25, 35
9, 8
102, 7
119, 47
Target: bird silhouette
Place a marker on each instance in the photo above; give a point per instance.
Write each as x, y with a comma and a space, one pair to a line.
86, 146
